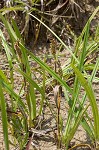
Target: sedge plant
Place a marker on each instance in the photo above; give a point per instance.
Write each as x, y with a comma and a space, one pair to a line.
22, 121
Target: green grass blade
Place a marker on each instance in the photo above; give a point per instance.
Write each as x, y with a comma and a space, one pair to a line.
29, 79
25, 60
10, 50
89, 91
79, 40
33, 102
67, 48
89, 126
9, 29
50, 71
15, 96
8, 53
75, 126
83, 53
3, 76
76, 86
9, 57
6, 10
96, 38
4, 118
16, 29
90, 19
96, 68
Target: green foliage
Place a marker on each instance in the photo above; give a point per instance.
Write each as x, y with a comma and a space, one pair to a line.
25, 111
4, 116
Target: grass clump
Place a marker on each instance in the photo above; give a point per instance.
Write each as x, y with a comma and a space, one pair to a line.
25, 110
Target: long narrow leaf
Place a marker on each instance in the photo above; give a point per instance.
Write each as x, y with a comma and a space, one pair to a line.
32, 82
15, 96
75, 126
16, 29
33, 102
67, 48
89, 91
50, 71
4, 118
9, 29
